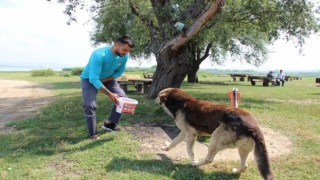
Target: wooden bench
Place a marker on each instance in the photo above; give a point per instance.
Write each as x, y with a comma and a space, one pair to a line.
318, 82
265, 81
290, 78
240, 76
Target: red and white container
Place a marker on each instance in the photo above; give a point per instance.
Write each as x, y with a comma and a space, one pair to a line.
126, 105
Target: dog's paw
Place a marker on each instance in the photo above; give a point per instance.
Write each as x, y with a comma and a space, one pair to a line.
194, 163
164, 148
235, 170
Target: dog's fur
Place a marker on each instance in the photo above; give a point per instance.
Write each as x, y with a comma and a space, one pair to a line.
228, 127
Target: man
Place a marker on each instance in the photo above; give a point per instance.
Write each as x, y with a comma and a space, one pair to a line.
280, 77
104, 66
270, 76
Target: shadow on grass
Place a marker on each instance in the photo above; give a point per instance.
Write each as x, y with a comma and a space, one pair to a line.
316, 94
219, 83
56, 85
38, 142
167, 168
59, 125
206, 84
221, 98
72, 87
68, 85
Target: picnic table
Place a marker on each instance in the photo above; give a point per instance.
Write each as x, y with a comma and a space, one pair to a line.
143, 84
240, 76
265, 81
148, 75
140, 84
318, 82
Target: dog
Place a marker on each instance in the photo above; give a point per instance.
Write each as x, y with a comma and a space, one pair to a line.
228, 127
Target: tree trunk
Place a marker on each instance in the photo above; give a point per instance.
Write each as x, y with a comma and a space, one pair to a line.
192, 74
172, 68
196, 60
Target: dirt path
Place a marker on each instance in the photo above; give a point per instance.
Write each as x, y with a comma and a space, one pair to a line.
153, 137
20, 99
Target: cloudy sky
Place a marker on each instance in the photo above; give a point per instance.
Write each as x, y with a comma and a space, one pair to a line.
34, 34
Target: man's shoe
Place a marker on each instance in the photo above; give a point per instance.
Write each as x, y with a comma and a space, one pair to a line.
94, 136
110, 127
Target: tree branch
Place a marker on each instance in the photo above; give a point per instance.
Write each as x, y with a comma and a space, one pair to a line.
194, 10
198, 53
149, 23
195, 28
206, 54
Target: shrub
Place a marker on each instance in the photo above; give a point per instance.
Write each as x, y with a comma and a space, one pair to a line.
76, 71
43, 72
66, 75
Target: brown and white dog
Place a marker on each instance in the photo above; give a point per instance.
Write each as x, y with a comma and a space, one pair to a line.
228, 127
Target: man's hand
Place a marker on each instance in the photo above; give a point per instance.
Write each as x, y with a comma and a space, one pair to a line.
113, 97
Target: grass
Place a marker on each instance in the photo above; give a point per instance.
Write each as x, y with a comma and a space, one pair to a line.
54, 145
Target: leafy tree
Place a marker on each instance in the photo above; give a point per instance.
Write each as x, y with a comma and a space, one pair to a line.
237, 29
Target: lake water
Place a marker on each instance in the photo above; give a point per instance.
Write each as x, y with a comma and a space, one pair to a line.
19, 68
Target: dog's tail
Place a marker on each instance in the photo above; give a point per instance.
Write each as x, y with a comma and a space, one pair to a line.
261, 155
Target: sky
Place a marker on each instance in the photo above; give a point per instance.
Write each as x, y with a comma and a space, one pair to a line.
34, 34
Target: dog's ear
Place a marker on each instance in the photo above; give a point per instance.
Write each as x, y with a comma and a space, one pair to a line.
163, 98
166, 92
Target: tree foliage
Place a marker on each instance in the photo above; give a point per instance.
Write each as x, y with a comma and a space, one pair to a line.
240, 31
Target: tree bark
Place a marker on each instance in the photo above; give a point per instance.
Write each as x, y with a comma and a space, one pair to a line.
193, 65
172, 68
196, 60
192, 74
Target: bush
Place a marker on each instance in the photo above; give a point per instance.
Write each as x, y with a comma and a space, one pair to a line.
43, 72
76, 71
66, 75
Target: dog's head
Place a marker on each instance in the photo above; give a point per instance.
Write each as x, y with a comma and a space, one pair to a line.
163, 95
171, 99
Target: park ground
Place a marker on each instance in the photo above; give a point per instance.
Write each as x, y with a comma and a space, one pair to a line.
44, 135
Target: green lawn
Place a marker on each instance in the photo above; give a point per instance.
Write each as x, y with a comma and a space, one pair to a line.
54, 143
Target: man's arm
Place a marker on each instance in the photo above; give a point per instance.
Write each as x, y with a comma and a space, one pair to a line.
104, 90
95, 69
112, 96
